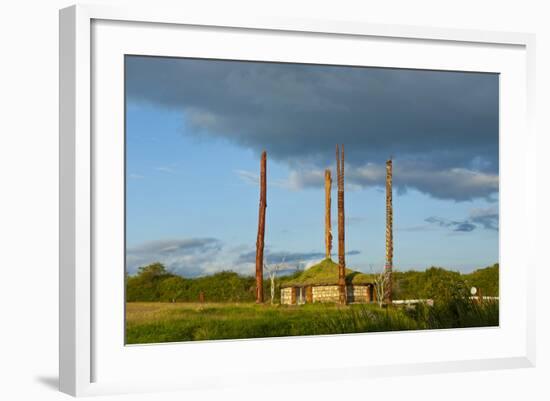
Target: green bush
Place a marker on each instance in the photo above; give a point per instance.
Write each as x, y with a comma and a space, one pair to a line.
441, 284
155, 283
486, 279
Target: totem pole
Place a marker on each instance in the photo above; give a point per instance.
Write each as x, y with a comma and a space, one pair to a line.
328, 224
341, 231
261, 233
389, 235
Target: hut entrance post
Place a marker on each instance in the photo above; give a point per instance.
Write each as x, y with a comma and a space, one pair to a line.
309, 294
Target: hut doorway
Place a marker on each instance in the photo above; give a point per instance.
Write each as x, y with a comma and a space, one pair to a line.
300, 295
370, 293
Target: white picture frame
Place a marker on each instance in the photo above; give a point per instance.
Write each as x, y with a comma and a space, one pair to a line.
84, 325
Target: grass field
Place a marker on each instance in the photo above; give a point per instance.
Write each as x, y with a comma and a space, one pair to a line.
156, 322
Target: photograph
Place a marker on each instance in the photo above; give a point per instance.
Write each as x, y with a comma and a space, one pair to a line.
275, 199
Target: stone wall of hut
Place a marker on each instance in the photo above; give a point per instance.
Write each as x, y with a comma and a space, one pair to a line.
358, 293
329, 293
326, 293
286, 296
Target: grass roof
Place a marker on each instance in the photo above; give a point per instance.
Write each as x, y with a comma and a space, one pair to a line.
326, 273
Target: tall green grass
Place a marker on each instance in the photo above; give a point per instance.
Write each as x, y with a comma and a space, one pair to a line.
454, 313
169, 322
458, 312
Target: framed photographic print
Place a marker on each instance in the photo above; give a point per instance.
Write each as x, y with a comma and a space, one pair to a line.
242, 198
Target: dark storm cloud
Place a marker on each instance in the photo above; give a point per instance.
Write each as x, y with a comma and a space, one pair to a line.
185, 256
441, 127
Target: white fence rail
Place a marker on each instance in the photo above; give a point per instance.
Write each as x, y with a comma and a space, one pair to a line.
413, 301
430, 302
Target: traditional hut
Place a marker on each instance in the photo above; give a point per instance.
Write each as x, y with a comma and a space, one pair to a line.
320, 283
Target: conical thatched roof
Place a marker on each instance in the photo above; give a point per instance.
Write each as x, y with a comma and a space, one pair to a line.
326, 273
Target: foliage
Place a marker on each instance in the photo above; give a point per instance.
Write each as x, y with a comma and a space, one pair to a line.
460, 311
166, 322
486, 279
440, 284
229, 310
145, 285
162, 322
154, 283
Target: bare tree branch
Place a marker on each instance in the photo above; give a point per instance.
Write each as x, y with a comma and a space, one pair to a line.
272, 271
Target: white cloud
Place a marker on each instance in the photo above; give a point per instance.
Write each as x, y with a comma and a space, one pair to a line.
184, 256
453, 183
248, 177
165, 169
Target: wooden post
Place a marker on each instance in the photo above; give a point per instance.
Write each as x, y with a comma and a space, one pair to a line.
370, 290
261, 232
201, 297
341, 230
328, 224
389, 235
309, 294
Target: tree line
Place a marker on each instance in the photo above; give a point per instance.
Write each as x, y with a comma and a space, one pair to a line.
154, 283
440, 283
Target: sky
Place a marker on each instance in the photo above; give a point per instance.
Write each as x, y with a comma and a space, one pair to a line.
195, 130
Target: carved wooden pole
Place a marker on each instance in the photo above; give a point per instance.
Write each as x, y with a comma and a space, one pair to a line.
341, 231
328, 224
389, 235
261, 233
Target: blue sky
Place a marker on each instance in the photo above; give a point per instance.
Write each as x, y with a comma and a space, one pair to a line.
195, 130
